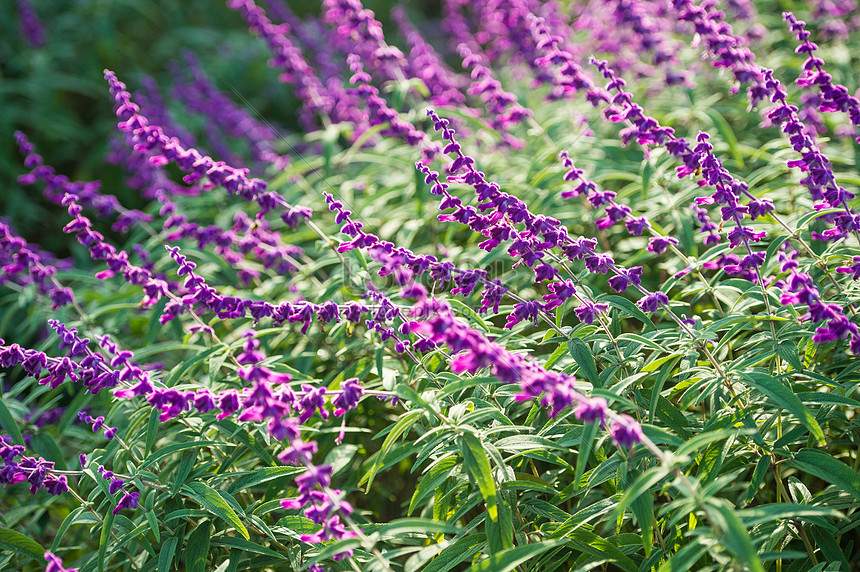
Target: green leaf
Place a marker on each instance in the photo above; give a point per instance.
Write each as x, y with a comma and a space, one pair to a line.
500, 532
7, 422
703, 439
245, 545
170, 449
198, 548
802, 221
189, 457
20, 544
735, 536
104, 539
668, 364
825, 541
416, 525
581, 354
165, 555
406, 421
478, 465
786, 399
728, 135
516, 443
508, 559
685, 558
586, 444
262, 475
463, 549
407, 393
788, 352
655, 364
431, 480
216, 361
212, 501
785, 511
151, 430
759, 473
67, 522
632, 309
823, 466
597, 546
640, 487
153, 524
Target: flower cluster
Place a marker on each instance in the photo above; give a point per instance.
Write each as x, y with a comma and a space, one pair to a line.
380, 113
98, 424
503, 107
358, 25
25, 264
201, 96
542, 233
88, 193
151, 138
424, 63
117, 485
833, 97
289, 59
36, 471
467, 336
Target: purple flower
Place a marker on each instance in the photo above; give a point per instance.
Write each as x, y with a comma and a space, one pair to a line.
636, 226
56, 485
560, 293
56, 565
115, 485
652, 302
351, 392
625, 277
592, 410
311, 401
744, 234
626, 432
528, 310
492, 296
588, 311
228, 404
129, 500
853, 269
659, 244
599, 263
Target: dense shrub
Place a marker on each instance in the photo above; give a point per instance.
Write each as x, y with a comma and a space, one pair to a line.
507, 286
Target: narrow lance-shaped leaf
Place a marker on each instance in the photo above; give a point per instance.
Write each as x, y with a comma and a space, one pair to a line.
478, 465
